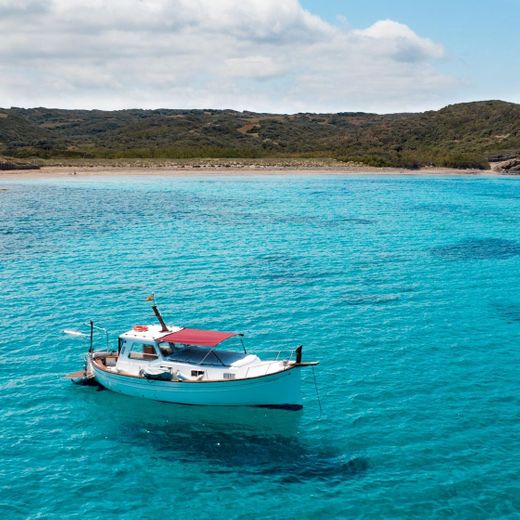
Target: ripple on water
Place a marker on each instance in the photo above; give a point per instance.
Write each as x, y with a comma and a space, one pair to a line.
418, 380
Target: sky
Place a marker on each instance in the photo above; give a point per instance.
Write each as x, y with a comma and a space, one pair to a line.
281, 56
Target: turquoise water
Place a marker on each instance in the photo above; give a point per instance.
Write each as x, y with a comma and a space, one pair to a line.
405, 288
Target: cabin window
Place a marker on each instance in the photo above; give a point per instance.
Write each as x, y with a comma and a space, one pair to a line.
143, 351
166, 349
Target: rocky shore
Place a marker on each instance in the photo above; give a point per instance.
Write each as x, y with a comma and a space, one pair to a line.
510, 166
10, 165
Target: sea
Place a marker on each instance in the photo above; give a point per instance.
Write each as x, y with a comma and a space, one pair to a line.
405, 288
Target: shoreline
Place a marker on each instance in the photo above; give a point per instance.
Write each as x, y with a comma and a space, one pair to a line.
47, 172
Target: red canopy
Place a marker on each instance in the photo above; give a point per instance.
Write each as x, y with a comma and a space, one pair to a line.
200, 338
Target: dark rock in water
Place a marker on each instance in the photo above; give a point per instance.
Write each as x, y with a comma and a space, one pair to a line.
331, 471
479, 249
369, 299
8, 165
509, 312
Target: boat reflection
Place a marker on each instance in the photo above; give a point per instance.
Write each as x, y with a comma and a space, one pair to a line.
213, 420
252, 441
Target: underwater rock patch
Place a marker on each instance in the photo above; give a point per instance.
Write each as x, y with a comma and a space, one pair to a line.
508, 312
330, 471
479, 249
369, 299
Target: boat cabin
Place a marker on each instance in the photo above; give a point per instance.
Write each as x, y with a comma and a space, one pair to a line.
188, 352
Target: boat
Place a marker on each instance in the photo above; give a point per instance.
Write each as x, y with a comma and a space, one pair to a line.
183, 365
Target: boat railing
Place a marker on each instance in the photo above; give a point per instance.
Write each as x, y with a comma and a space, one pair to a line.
268, 367
280, 352
277, 360
286, 359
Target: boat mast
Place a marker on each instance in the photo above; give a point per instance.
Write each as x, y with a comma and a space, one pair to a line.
160, 318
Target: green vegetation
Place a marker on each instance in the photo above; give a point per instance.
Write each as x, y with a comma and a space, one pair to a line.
466, 135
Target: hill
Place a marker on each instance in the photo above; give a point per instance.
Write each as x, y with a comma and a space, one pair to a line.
462, 135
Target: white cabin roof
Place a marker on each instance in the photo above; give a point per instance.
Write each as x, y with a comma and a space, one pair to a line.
152, 332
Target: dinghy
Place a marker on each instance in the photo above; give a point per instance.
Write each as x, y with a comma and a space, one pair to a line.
188, 366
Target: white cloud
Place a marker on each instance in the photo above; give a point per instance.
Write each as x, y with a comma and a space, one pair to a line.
264, 55
397, 39
252, 67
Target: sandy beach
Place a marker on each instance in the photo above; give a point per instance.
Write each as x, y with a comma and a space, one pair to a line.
192, 170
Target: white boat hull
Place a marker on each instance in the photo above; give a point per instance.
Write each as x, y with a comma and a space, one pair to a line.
277, 390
